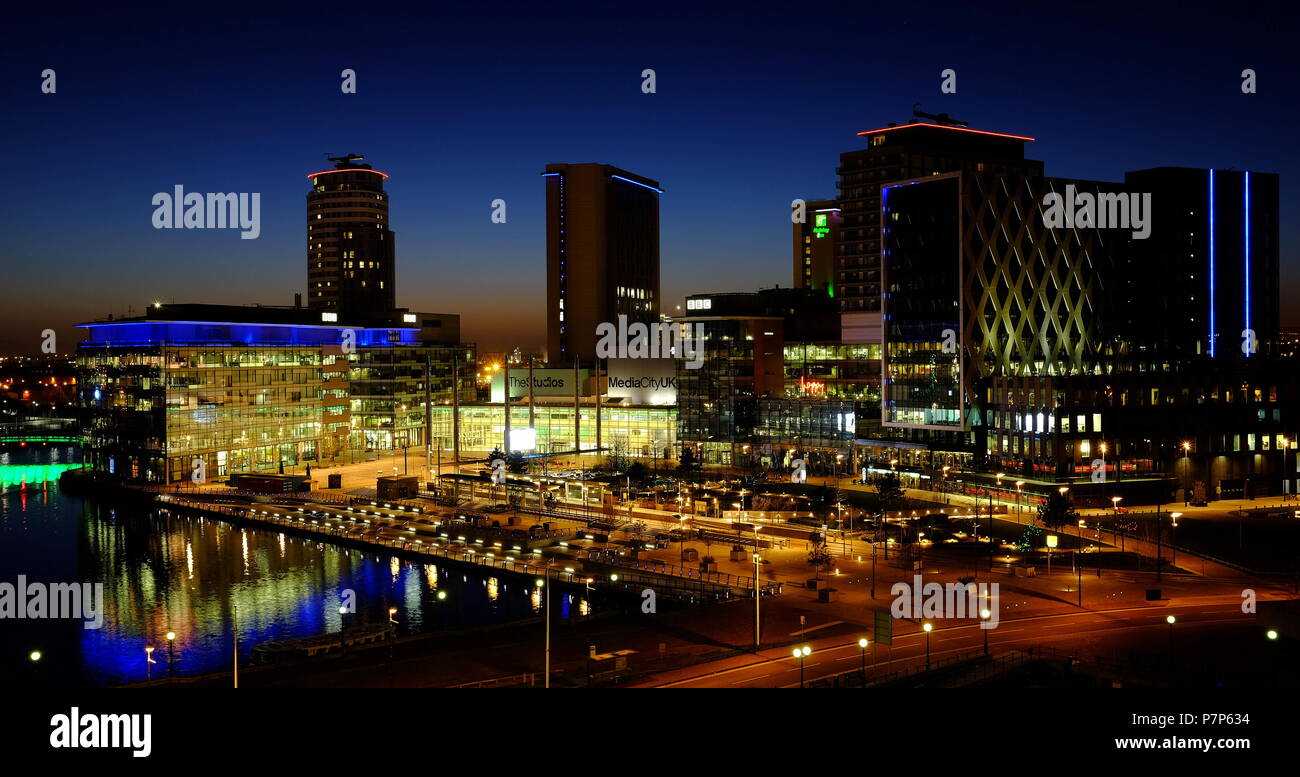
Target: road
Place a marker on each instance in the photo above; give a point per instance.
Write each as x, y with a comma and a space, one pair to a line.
1094, 632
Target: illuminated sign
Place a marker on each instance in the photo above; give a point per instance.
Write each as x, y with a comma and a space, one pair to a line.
546, 383
699, 304
523, 439
811, 387
821, 227
643, 381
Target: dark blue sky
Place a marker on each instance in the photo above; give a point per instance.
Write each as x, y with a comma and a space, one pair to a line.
465, 105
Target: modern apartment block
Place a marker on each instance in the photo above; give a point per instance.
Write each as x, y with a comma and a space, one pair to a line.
1072, 352
602, 254
900, 152
350, 252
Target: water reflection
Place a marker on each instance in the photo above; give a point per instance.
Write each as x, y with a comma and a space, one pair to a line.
163, 571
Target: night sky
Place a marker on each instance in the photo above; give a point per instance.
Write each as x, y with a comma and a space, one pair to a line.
465, 105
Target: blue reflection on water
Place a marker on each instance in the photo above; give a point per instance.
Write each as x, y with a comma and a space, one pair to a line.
167, 572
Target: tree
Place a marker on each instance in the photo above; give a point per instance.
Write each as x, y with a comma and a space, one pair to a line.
515, 463
820, 556
636, 472
1029, 539
889, 491
1057, 510
687, 462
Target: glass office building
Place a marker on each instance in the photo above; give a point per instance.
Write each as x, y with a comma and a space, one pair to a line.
219, 390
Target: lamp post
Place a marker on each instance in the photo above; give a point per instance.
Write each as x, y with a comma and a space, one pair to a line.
1019, 494
546, 609
681, 536
1171, 620
392, 637
148, 661
862, 643
1114, 529
1159, 553
943, 483
758, 596
1187, 446
985, 614
1173, 537
928, 628
1103, 461
1079, 565
801, 653
171, 652
234, 620
999, 476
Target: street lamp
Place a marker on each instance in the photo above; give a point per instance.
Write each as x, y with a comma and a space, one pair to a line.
928, 628
801, 653
35, 656
171, 652
1171, 620
1271, 634
862, 643
985, 614
1173, 537
1019, 485
1079, 562
1187, 446
546, 609
392, 637
148, 660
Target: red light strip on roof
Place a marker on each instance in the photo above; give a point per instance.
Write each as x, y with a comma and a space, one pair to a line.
946, 127
348, 170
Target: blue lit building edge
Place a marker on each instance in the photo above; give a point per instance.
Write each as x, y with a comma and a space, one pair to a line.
138, 333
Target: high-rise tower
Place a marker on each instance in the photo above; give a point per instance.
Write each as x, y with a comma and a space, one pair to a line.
602, 254
350, 256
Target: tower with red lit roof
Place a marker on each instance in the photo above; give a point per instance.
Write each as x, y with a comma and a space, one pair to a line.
350, 253
900, 152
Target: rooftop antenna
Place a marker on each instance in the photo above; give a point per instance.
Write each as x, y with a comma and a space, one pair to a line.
344, 161
941, 118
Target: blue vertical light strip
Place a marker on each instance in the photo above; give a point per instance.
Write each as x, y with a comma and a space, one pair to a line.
1247, 220
1211, 263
